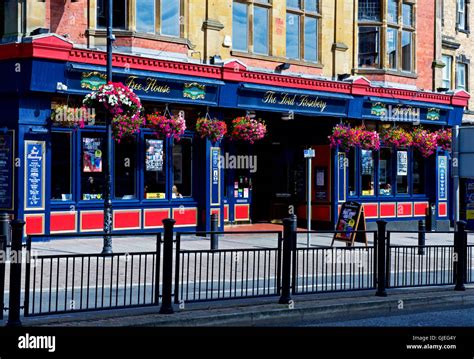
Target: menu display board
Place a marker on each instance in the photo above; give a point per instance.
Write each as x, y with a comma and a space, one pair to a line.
215, 176
402, 163
442, 177
92, 154
34, 175
7, 150
154, 155
351, 218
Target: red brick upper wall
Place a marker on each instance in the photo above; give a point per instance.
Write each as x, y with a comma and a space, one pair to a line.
66, 17
425, 43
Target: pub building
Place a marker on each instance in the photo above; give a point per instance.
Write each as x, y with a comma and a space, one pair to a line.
51, 173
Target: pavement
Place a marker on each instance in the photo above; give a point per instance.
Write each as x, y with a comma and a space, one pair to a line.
329, 309
130, 244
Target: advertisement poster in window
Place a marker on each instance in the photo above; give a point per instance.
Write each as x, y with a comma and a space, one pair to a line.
92, 155
402, 163
154, 155
367, 162
6, 170
34, 175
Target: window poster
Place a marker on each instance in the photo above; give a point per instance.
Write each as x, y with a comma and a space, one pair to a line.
154, 155
402, 163
92, 154
367, 162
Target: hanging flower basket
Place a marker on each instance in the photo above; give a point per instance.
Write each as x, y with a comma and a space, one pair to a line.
166, 126
125, 126
120, 102
247, 129
445, 139
425, 141
342, 136
397, 137
213, 129
115, 98
366, 140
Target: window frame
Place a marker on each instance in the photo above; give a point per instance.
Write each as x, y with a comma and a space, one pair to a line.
384, 24
449, 67
251, 5
303, 14
71, 169
464, 64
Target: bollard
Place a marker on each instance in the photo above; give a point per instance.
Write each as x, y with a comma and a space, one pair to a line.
214, 228
166, 306
15, 274
460, 242
5, 228
289, 239
381, 250
421, 237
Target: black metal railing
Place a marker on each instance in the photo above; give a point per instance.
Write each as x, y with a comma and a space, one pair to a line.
82, 282
331, 269
61, 283
226, 273
419, 265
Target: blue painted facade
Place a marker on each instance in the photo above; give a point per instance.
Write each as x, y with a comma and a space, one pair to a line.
29, 85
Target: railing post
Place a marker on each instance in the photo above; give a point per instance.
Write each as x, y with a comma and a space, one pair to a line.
381, 237
15, 274
166, 306
214, 228
460, 255
289, 236
421, 237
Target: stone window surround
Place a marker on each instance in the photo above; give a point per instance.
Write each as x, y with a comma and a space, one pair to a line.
383, 66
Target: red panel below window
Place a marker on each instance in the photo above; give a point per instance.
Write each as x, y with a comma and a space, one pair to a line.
34, 224
92, 221
387, 210
242, 212
420, 209
371, 210
63, 222
185, 216
154, 218
127, 219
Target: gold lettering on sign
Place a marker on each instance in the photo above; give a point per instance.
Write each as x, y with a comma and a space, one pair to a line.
284, 98
147, 85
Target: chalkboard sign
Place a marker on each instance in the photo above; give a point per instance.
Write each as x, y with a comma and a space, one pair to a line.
34, 175
6, 170
351, 218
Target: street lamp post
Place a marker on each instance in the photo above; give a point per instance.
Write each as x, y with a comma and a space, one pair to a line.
108, 139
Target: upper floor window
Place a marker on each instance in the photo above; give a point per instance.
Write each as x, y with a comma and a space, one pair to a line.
119, 18
461, 15
397, 51
461, 76
302, 29
159, 16
447, 72
251, 26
